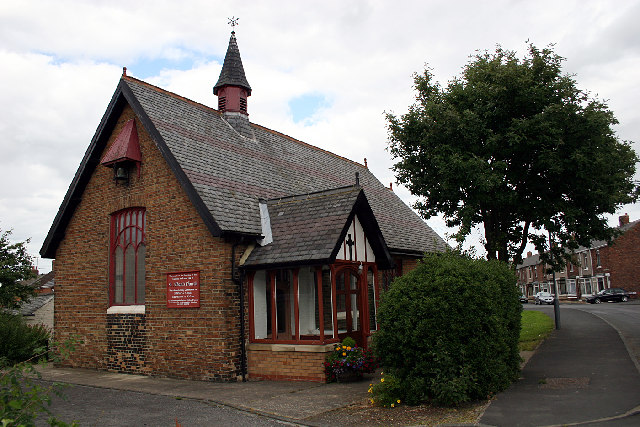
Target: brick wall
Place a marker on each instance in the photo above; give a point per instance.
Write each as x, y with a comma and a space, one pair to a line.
197, 343
622, 259
127, 343
286, 365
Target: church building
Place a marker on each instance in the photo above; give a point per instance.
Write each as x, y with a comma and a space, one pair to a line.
194, 243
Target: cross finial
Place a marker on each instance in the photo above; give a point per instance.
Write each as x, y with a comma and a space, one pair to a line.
233, 21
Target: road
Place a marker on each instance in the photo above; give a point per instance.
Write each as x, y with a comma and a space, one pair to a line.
94, 406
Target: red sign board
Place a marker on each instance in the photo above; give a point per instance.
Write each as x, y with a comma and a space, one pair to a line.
183, 289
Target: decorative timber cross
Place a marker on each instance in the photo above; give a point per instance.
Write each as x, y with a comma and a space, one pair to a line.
350, 243
233, 21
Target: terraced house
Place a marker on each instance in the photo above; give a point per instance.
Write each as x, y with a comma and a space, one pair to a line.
601, 266
193, 243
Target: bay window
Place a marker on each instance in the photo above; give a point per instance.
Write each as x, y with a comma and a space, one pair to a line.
312, 304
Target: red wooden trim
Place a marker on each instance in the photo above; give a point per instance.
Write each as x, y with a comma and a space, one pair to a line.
334, 301
376, 286
274, 326
252, 328
320, 302
364, 280
112, 263
296, 308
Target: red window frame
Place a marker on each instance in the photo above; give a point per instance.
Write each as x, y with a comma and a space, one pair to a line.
339, 267
127, 248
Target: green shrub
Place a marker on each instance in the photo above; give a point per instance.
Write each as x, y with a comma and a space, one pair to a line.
449, 329
19, 341
387, 392
348, 342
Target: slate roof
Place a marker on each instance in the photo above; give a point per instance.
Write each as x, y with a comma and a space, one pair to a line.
601, 243
225, 174
30, 307
529, 261
310, 228
232, 72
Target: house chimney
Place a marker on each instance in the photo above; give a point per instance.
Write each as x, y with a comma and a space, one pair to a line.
529, 254
391, 186
623, 219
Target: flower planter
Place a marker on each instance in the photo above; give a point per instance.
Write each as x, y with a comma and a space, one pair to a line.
348, 376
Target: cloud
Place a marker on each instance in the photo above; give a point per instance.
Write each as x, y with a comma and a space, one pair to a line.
62, 61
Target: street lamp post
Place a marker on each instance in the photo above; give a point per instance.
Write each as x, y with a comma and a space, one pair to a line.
556, 303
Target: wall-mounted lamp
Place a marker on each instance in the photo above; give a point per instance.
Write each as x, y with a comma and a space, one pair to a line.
360, 268
121, 173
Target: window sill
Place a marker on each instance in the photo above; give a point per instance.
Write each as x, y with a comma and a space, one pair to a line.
308, 348
126, 309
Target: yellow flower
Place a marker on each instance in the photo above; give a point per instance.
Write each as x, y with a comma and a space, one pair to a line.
370, 385
392, 405
371, 400
370, 391
381, 380
348, 348
398, 400
344, 354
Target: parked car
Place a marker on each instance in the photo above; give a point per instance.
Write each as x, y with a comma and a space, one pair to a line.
524, 299
606, 295
543, 298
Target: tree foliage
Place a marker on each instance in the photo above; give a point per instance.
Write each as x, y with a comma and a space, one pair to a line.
449, 329
514, 145
15, 267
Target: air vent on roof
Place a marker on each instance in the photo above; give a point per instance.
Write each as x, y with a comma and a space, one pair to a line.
243, 105
222, 104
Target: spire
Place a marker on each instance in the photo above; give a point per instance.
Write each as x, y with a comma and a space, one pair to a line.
232, 73
233, 90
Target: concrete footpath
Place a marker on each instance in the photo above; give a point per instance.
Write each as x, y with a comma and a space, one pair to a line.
282, 400
581, 374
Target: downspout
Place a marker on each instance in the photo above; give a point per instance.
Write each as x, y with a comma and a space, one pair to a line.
240, 282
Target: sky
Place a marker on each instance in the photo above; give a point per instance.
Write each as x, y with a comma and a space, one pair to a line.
324, 72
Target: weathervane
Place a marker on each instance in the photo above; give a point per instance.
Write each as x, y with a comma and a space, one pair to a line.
233, 21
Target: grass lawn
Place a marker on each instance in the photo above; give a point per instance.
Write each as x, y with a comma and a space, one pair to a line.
536, 326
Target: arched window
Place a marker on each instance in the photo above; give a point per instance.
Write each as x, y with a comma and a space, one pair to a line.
127, 251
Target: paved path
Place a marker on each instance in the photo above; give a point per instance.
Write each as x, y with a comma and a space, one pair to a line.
582, 373
280, 400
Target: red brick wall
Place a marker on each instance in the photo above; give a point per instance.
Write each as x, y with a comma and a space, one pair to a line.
198, 343
622, 260
286, 365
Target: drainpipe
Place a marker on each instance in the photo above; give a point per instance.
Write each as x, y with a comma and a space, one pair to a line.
240, 282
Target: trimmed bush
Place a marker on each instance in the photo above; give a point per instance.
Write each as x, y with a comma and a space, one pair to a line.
449, 329
18, 341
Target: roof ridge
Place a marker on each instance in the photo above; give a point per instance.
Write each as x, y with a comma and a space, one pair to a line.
172, 94
315, 194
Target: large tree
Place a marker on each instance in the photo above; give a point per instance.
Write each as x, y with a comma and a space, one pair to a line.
15, 267
514, 145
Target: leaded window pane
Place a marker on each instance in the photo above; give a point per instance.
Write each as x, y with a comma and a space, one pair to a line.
129, 275
118, 279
